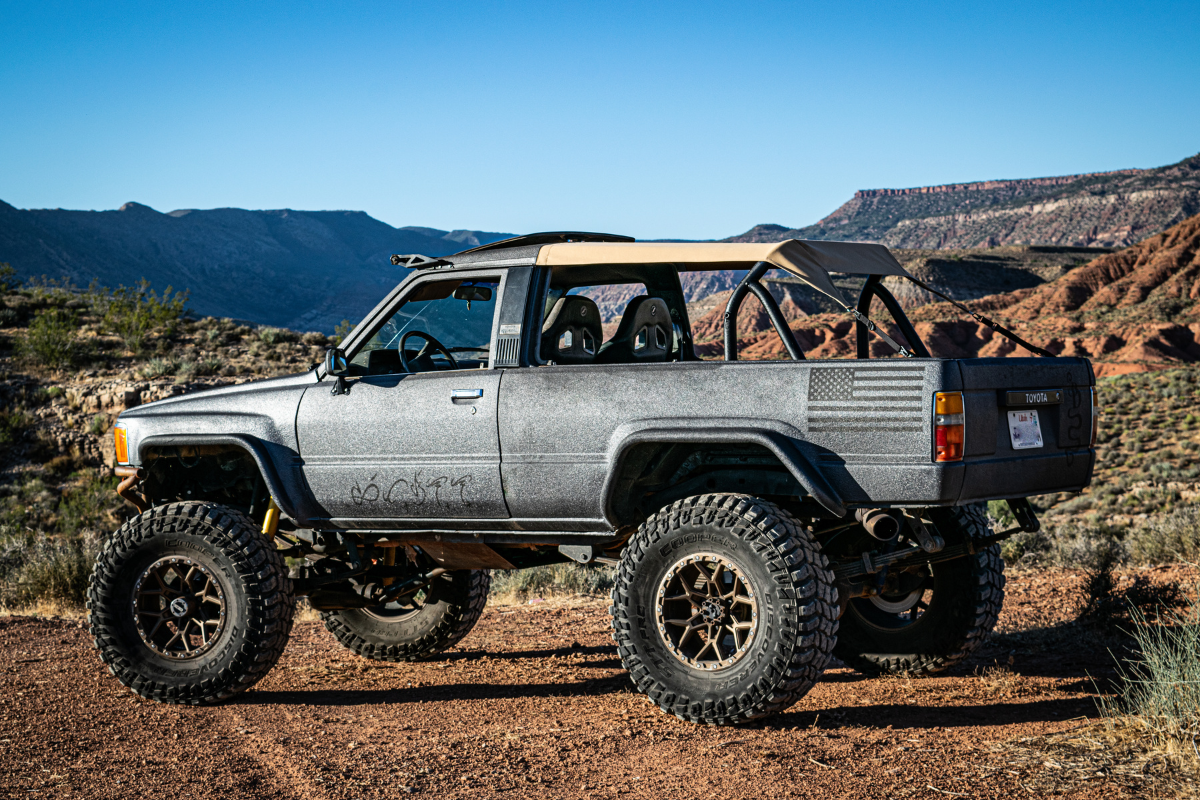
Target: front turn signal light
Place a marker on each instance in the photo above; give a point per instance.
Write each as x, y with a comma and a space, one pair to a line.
948, 423
122, 445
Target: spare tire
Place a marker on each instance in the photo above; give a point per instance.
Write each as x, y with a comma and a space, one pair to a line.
420, 625
937, 615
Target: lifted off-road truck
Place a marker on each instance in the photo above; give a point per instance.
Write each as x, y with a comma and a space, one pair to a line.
766, 516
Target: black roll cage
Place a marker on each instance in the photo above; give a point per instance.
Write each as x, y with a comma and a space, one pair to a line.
871, 289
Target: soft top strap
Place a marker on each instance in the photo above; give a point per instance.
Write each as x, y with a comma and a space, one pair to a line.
996, 326
878, 331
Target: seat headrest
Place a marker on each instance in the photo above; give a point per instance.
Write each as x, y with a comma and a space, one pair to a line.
572, 332
645, 333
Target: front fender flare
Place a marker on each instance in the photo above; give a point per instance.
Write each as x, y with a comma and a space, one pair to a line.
250, 444
776, 442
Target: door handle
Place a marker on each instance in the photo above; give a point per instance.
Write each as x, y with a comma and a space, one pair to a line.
466, 394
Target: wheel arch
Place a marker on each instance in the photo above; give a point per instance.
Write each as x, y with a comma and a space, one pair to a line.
631, 444
252, 446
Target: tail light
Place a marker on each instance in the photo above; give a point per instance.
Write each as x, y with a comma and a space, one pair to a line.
1095, 416
122, 445
948, 422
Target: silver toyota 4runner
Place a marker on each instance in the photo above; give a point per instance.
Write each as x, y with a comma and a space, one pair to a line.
765, 515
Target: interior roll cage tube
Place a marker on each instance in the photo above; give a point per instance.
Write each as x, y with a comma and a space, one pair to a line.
874, 288
751, 283
863, 326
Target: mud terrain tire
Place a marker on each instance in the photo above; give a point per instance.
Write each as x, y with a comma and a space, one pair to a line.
967, 594
243, 586
784, 578
451, 609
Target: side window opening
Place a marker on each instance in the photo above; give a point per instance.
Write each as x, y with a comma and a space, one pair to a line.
440, 325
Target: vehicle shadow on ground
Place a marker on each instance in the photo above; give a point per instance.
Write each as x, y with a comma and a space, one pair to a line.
513, 655
447, 692
901, 716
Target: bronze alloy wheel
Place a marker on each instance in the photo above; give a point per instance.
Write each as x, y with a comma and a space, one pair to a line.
706, 611
178, 607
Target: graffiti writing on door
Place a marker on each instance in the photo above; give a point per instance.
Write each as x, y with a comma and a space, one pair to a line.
414, 494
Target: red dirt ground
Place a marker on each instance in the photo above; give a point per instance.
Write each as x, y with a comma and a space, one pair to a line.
534, 704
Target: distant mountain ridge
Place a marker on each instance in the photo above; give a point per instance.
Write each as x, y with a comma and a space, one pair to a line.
1101, 209
306, 270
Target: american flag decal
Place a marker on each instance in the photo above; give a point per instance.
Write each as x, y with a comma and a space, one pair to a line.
859, 399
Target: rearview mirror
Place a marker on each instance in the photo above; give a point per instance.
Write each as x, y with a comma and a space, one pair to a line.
469, 293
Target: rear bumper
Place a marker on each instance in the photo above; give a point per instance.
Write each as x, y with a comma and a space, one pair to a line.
974, 480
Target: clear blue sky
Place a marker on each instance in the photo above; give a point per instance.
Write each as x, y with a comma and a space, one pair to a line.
692, 120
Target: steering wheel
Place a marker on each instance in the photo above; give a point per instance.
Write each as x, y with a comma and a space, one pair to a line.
430, 344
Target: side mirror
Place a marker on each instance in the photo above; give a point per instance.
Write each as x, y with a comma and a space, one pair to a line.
335, 361
336, 365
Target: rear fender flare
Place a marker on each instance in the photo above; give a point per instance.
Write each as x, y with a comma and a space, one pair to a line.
716, 432
252, 445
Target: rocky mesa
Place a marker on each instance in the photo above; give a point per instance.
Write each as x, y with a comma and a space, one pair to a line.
1105, 209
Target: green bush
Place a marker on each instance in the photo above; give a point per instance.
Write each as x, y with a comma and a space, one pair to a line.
274, 336
98, 425
1167, 538
159, 368
52, 339
8, 278
133, 313
210, 365
13, 424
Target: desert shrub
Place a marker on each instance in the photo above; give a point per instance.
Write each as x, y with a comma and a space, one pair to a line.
8, 278
9, 317
98, 425
210, 365
92, 506
340, 332
314, 338
185, 371
159, 368
553, 579
52, 339
14, 422
1001, 514
1160, 686
37, 567
274, 336
1109, 606
1169, 537
133, 313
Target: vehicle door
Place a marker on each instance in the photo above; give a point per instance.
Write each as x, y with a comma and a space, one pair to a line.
412, 442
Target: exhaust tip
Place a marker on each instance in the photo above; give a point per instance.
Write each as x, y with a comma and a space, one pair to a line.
881, 523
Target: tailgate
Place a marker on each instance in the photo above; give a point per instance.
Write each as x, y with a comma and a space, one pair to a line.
1028, 426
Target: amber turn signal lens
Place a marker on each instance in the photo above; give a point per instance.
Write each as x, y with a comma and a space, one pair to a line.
122, 445
949, 422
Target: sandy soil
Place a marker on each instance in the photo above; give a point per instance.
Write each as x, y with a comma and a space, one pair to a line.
535, 704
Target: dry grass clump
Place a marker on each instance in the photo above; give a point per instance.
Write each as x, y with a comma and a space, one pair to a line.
1147, 738
554, 580
1111, 752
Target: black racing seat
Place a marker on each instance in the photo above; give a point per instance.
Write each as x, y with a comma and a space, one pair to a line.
571, 333
384, 361
643, 337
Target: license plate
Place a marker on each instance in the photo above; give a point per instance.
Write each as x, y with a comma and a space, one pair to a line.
1024, 429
